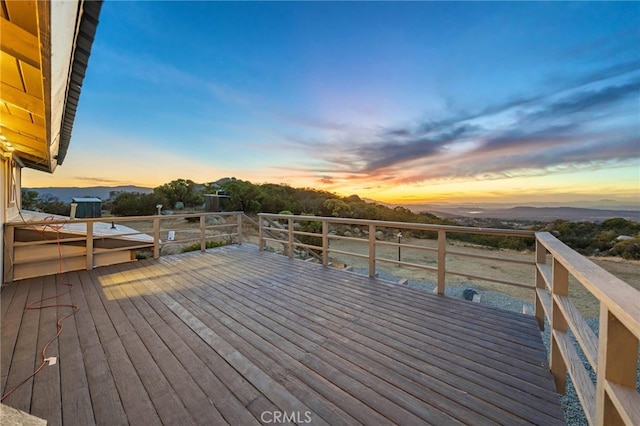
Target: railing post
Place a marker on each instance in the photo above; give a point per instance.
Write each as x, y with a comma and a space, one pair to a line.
559, 287
541, 259
372, 250
156, 237
325, 242
617, 364
240, 216
290, 227
442, 255
203, 233
260, 234
9, 255
89, 250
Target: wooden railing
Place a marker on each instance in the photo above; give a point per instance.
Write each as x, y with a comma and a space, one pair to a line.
35, 248
289, 223
613, 355
612, 398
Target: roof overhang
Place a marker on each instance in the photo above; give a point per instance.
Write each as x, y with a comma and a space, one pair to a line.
44, 48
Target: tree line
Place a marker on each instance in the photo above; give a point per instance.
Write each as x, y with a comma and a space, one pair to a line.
588, 238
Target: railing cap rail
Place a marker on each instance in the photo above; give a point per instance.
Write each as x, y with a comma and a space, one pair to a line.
618, 296
407, 225
116, 218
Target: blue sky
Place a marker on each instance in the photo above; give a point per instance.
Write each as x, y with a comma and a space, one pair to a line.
402, 101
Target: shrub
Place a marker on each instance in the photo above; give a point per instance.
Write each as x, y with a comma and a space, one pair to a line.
209, 244
628, 249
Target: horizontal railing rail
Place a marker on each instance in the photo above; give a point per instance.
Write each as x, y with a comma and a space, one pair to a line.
613, 354
48, 246
289, 232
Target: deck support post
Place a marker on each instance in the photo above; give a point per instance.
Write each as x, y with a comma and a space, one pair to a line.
9, 254
325, 242
372, 250
156, 237
541, 259
559, 287
203, 233
617, 363
260, 234
290, 235
240, 217
442, 254
89, 249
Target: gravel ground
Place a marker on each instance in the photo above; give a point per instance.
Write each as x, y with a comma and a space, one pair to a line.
573, 411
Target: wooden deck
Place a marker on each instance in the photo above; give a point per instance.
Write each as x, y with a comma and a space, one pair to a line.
236, 336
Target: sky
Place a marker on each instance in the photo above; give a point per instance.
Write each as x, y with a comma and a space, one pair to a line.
403, 102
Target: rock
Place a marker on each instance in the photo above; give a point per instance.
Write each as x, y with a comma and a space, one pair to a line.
348, 234
468, 293
379, 235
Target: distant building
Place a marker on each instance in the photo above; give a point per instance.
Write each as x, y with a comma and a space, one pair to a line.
86, 207
216, 202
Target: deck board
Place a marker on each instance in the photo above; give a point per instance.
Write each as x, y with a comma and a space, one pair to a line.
224, 336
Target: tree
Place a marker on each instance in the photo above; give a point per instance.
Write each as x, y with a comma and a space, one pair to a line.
180, 190
136, 204
29, 199
336, 207
244, 196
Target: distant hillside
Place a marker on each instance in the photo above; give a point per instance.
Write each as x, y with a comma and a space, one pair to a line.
543, 214
66, 194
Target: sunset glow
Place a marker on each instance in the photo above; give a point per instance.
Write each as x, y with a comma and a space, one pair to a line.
404, 102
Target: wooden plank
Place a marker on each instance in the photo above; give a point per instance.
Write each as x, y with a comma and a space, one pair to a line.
167, 404
24, 126
423, 316
11, 324
583, 333
21, 99
192, 404
326, 363
545, 300
46, 384
375, 339
245, 273
619, 297
618, 364
290, 320
74, 387
289, 335
289, 375
158, 316
7, 292
133, 395
19, 43
105, 399
23, 365
583, 385
627, 402
277, 393
403, 326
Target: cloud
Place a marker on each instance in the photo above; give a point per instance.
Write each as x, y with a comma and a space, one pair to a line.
577, 124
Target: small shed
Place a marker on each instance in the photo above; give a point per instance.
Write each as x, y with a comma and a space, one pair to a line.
216, 202
86, 207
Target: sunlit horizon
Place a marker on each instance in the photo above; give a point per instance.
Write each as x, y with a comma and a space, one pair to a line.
399, 102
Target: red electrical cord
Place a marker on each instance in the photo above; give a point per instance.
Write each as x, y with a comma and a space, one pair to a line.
30, 306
